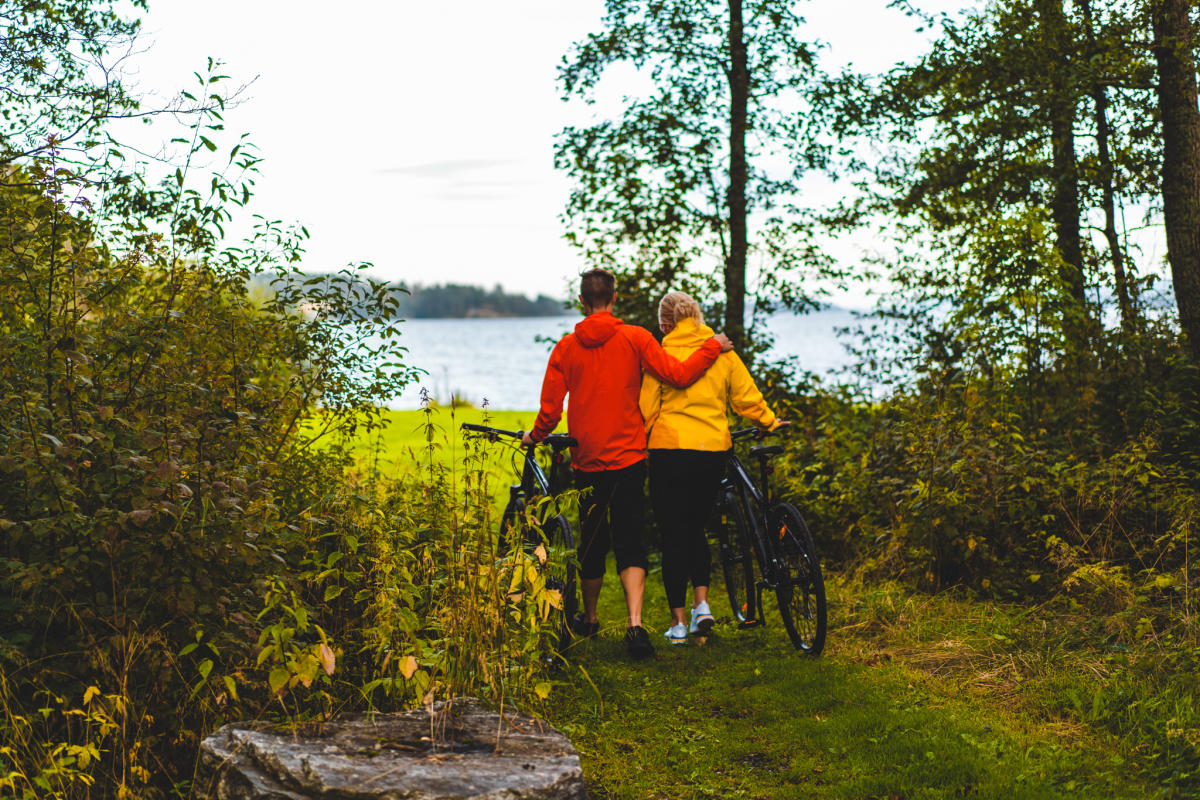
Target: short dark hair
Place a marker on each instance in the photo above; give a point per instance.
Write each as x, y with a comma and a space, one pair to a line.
597, 287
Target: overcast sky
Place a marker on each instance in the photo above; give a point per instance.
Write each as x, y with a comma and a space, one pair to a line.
418, 135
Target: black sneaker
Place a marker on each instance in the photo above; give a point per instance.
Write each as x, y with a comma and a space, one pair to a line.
581, 627
637, 642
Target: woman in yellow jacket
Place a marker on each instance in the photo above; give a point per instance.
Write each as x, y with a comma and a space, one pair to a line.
688, 443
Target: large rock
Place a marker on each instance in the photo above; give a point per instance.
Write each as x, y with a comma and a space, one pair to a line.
460, 751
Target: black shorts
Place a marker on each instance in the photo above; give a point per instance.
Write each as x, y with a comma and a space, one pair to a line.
612, 515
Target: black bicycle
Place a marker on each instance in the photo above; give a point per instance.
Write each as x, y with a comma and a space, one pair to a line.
752, 531
555, 532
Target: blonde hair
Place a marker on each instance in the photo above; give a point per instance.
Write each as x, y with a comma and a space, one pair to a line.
676, 306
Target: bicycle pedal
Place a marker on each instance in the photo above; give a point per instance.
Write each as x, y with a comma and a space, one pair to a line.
749, 623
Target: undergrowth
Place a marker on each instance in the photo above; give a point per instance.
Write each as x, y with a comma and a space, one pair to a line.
1058, 661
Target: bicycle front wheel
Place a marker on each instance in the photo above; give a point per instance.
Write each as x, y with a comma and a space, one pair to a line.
799, 587
737, 562
561, 542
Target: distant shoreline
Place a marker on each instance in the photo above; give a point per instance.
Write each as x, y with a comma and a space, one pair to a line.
487, 313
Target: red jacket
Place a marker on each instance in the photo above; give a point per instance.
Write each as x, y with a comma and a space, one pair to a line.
600, 365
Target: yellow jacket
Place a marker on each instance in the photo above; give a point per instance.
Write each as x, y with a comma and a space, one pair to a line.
695, 418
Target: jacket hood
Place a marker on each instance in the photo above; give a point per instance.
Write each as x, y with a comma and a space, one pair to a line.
596, 329
688, 333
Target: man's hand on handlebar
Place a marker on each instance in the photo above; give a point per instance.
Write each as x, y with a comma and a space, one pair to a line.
723, 340
527, 440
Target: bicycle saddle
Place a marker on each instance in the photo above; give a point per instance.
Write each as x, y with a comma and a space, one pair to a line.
560, 440
764, 450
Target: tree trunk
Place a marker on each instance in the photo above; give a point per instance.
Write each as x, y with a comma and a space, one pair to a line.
1181, 158
1064, 201
735, 262
1115, 254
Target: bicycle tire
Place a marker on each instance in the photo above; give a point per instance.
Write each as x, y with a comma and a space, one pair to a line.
737, 561
801, 591
508, 521
560, 537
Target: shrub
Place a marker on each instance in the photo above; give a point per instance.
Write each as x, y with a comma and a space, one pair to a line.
184, 539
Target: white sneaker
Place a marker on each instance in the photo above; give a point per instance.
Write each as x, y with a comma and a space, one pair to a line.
702, 620
676, 634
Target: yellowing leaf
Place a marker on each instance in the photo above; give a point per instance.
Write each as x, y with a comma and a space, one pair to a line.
554, 596
542, 690
278, 679
326, 657
408, 666
540, 554
89, 693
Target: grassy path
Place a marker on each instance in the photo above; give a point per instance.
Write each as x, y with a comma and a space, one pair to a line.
744, 716
914, 697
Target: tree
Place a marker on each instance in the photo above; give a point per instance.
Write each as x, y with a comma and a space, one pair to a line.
1174, 43
1025, 118
1059, 100
59, 72
706, 161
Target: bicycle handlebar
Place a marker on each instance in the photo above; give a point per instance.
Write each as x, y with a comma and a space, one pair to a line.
757, 433
467, 426
555, 440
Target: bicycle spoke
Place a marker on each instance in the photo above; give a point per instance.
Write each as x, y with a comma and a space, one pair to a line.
800, 589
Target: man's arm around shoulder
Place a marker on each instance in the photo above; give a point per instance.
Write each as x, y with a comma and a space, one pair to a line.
667, 368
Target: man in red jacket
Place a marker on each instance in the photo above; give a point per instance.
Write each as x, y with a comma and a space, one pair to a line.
600, 365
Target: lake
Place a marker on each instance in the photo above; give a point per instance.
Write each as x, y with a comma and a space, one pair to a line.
503, 361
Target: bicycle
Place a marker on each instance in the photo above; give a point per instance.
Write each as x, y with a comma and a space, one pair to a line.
752, 531
555, 532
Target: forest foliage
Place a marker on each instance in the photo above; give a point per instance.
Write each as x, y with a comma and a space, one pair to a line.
184, 537
184, 541
1022, 419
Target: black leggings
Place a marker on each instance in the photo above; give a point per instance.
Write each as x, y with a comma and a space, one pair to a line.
611, 515
683, 491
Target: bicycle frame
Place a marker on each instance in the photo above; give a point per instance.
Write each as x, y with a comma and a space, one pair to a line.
754, 505
556, 530
774, 535
533, 477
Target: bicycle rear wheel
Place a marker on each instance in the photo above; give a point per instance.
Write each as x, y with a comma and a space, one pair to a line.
737, 562
561, 543
801, 591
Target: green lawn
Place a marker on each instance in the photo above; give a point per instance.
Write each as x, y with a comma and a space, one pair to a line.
403, 442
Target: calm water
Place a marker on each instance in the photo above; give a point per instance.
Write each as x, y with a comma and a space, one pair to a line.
503, 361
